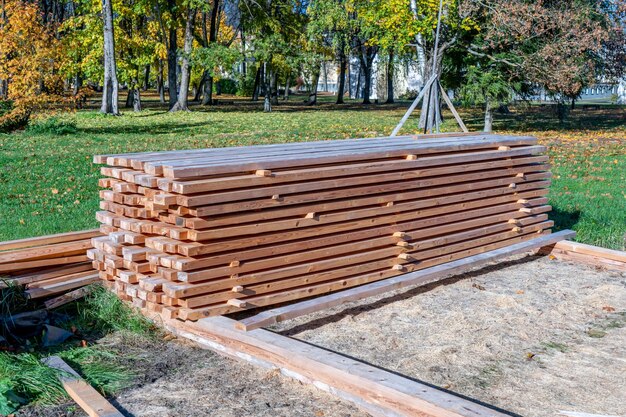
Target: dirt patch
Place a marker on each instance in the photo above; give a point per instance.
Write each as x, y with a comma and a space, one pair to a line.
531, 335
175, 378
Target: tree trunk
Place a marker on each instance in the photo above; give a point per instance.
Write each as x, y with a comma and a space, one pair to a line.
488, 117
185, 73
390, 73
4, 89
160, 85
137, 100
172, 76
146, 78
313, 93
343, 63
78, 83
366, 58
267, 102
207, 97
367, 84
274, 88
286, 95
428, 71
573, 103
257, 83
110, 90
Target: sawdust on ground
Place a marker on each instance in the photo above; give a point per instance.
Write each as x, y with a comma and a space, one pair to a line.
531, 335
178, 379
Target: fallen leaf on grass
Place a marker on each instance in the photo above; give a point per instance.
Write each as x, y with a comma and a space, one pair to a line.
530, 356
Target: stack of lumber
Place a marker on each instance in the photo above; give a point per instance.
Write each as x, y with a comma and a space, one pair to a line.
48, 265
214, 231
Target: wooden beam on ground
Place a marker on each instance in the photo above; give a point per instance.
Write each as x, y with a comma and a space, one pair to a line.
94, 404
67, 298
377, 391
420, 277
588, 254
47, 240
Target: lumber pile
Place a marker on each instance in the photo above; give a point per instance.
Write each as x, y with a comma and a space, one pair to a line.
207, 232
48, 265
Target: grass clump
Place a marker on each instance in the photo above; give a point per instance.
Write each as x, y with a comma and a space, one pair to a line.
102, 312
25, 379
53, 126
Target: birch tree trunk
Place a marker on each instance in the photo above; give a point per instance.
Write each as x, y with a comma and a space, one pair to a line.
111, 88
488, 117
185, 73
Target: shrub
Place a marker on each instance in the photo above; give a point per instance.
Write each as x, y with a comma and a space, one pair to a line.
246, 84
227, 86
13, 117
53, 126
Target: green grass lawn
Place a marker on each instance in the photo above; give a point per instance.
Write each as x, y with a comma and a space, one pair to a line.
48, 183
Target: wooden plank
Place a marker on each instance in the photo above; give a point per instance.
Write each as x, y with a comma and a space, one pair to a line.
317, 196
422, 277
317, 289
18, 266
595, 251
67, 298
418, 200
56, 250
466, 162
187, 264
45, 274
439, 247
90, 400
184, 170
319, 152
49, 239
311, 255
210, 247
411, 177
587, 254
383, 393
60, 287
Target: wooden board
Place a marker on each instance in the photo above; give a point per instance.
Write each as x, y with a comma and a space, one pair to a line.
199, 233
94, 404
410, 279
380, 392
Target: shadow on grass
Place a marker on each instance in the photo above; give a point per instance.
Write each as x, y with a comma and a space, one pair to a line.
564, 219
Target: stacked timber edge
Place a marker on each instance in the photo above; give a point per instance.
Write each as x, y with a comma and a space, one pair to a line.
48, 265
198, 233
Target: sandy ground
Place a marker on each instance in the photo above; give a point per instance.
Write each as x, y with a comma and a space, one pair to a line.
177, 379
531, 335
